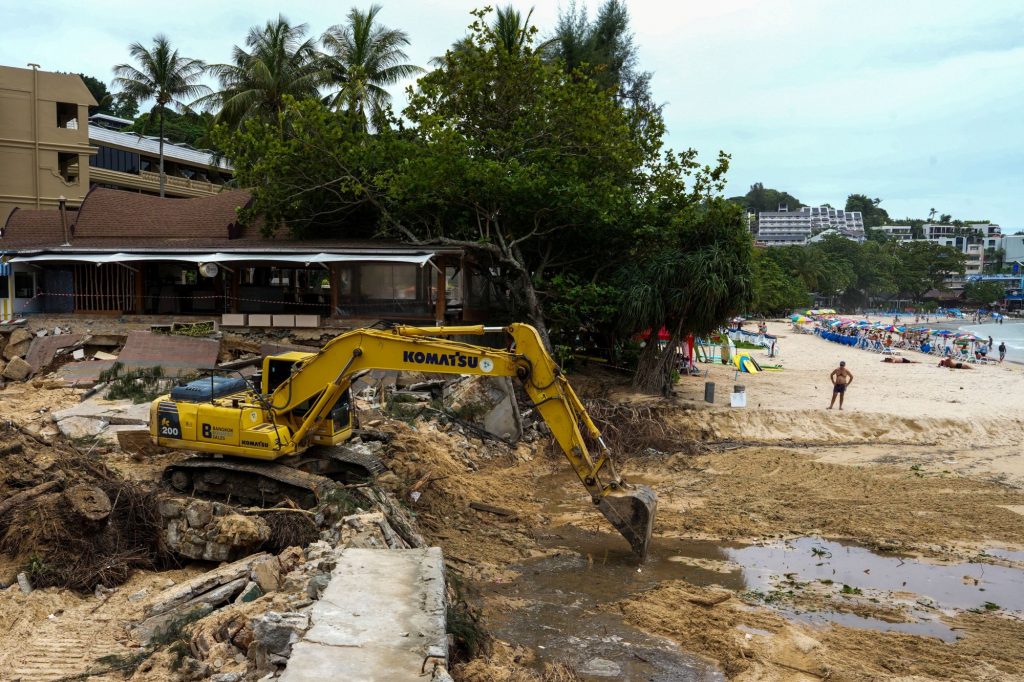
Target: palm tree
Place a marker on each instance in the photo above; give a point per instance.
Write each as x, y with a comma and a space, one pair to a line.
163, 75
362, 58
279, 62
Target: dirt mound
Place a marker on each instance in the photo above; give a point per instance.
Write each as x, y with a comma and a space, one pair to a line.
753, 493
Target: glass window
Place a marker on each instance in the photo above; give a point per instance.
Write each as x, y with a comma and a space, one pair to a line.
24, 284
389, 282
4, 283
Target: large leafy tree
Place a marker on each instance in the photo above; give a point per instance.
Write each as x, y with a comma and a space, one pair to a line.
870, 209
925, 266
362, 58
278, 61
761, 198
518, 162
984, 293
160, 73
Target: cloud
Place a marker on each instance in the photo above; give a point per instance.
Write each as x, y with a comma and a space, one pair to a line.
917, 101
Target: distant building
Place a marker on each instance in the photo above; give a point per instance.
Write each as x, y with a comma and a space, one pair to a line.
51, 149
787, 228
902, 233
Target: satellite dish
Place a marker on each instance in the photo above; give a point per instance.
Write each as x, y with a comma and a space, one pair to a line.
208, 269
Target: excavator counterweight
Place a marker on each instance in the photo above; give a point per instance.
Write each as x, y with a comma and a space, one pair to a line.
302, 405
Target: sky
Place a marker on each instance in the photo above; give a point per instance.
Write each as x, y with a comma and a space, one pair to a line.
917, 102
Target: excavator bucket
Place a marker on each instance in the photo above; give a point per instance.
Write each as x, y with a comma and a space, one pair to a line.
631, 510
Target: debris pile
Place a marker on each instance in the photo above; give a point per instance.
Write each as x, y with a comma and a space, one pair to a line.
82, 528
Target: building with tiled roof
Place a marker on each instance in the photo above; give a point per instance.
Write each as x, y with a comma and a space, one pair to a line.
125, 252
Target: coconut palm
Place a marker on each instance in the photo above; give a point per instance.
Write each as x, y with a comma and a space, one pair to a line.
161, 74
280, 61
362, 58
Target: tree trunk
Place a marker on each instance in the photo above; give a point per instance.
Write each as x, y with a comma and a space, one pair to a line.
654, 369
533, 307
161, 152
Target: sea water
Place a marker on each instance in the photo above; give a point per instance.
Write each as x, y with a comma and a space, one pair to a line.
1010, 333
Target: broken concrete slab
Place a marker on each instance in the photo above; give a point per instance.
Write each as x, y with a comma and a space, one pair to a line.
175, 354
75, 428
43, 349
381, 634
183, 592
120, 412
489, 402
84, 374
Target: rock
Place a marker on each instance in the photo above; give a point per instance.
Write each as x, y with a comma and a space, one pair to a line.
441, 675
267, 574
277, 632
600, 667
17, 369
42, 332
138, 596
804, 643
3, 366
19, 335
199, 513
317, 584
226, 677
251, 592
24, 584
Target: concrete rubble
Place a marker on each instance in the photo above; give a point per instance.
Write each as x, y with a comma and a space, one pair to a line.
210, 531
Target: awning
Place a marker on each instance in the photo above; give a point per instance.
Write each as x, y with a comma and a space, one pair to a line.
304, 258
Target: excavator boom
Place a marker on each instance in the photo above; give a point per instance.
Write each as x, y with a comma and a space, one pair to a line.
283, 422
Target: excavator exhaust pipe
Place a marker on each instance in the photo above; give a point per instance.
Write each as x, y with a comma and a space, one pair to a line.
631, 509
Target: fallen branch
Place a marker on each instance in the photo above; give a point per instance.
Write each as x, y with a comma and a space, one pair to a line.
491, 509
18, 498
34, 435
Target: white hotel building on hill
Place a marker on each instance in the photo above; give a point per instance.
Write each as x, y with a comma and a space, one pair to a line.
788, 228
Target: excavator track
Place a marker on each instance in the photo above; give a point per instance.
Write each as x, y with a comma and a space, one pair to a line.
340, 463
264, 485
303, 480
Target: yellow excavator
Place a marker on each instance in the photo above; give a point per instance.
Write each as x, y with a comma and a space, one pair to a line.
297, 415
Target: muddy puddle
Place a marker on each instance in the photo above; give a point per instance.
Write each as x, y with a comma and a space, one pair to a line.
924, 590
556, 598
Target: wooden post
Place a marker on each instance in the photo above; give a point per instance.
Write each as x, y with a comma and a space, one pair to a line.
235, 287
139, 288
439, 306
335, 285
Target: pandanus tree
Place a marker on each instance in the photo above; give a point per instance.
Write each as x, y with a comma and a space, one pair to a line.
693, 286
162, 74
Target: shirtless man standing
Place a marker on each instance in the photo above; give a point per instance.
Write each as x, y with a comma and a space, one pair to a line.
841, 378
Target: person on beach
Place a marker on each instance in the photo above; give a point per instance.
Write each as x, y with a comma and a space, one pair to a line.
841, 378
1002, 351
948, 362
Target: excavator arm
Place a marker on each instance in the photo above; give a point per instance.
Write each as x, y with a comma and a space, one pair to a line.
325, 376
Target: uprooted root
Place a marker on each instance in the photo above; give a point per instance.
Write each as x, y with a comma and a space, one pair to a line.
636, 429
289, 528
64, 551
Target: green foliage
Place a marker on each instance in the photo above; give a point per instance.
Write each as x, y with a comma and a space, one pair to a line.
761, 199
851, 590
191, 128
869, 208
984, 293
362, 58
277, 62
138, 385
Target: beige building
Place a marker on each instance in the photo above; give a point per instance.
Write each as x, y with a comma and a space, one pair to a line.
45, 126
44, 139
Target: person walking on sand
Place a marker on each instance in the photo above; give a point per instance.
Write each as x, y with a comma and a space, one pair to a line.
841, 378
1002, 351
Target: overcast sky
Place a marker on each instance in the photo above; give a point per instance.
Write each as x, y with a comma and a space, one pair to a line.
919, 102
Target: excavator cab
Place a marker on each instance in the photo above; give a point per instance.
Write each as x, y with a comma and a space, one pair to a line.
337, 425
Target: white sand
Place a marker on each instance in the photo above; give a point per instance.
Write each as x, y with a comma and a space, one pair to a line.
918, 390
